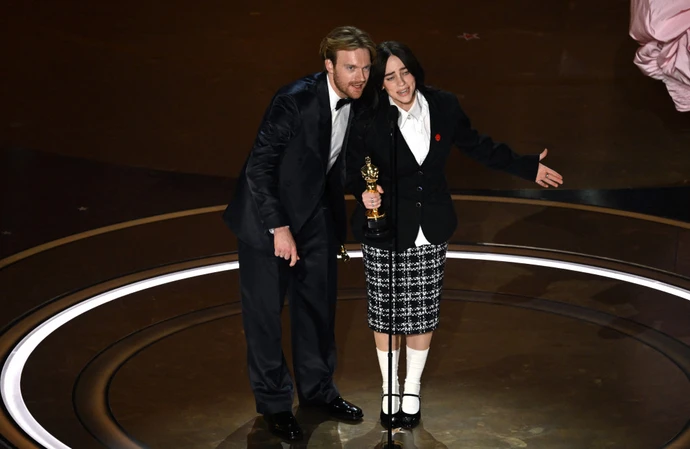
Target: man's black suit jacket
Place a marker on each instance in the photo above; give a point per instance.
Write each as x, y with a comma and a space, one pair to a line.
284, 179
422, 191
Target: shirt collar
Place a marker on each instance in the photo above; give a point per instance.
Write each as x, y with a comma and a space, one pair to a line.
332, 96
418, 109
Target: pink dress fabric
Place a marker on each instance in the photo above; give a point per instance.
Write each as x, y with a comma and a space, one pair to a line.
662, 27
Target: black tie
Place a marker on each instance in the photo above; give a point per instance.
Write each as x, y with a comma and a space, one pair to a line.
342, 102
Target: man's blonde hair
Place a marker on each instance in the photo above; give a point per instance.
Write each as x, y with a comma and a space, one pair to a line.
346, 38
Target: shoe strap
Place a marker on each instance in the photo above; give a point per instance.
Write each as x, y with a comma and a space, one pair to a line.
392, 394
413, 395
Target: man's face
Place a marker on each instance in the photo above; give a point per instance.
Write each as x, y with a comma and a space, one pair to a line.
350, 72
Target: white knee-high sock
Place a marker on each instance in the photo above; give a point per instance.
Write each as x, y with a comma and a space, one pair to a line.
413, 381
383, 363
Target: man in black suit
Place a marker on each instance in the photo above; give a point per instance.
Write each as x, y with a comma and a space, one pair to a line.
288, 213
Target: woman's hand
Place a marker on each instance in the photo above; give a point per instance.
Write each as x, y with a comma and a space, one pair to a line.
372, 200
545, 176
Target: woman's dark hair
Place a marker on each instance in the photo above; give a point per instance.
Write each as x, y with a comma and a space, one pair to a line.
392, 48
378, 70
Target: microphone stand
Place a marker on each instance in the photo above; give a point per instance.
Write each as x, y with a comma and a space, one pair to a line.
393, 127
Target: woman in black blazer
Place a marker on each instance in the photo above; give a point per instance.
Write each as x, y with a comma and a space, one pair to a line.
430, 121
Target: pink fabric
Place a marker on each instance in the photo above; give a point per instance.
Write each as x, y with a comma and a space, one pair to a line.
662, 27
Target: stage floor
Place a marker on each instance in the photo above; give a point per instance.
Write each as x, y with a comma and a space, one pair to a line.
562, 326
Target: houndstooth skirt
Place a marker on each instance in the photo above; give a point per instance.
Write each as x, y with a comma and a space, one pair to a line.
417, 282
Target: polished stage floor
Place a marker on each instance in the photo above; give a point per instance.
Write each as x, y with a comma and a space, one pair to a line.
564, 325
565, 321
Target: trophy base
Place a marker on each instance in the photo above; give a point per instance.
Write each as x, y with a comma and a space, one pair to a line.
376, 230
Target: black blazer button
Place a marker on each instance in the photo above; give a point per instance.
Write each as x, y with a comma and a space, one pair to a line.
420, 173
419, 188
418, 204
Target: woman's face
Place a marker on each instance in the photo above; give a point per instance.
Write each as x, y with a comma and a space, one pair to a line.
399, 83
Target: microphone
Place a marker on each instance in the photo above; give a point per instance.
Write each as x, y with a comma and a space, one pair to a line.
393, 114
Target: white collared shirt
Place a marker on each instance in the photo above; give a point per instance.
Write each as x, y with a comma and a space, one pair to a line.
415, 127
339, 120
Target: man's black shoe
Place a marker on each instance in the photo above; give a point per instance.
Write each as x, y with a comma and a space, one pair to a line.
339, 408
283, 425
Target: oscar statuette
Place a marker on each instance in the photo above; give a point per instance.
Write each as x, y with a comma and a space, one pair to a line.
376, 227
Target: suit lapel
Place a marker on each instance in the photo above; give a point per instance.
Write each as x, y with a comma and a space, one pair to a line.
434, 117
324, 119
405, 155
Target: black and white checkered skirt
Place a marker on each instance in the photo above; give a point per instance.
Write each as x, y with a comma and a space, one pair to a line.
417, 282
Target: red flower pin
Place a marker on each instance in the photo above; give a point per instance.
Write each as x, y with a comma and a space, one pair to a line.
438, 137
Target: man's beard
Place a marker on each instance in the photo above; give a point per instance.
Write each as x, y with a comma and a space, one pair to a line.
343, 87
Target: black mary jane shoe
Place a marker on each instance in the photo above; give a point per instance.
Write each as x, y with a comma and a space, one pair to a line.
283, 425
339, 408
388, 420
410, 421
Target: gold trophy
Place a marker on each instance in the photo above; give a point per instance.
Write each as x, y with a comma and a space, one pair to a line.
376, 227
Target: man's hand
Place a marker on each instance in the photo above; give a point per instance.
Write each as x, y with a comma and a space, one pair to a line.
284, 245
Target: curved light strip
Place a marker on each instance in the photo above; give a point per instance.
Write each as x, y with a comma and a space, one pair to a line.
10, 380
572, 266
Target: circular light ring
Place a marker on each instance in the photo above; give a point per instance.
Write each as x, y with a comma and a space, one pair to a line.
10, 379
